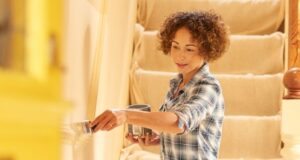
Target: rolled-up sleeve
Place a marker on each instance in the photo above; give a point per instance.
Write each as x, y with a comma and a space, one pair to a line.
199, 104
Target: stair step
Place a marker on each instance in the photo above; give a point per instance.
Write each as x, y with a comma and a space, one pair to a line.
261, 54
243, 94
250, 159
250, 16
251, 137
252, 94
247, 138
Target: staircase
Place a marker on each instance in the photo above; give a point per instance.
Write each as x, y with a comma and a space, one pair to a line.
250, 72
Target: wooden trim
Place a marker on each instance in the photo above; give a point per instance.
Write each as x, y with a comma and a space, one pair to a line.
293, 42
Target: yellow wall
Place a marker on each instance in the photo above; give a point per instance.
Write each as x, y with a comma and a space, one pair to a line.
17, 48
40, 78
31, 105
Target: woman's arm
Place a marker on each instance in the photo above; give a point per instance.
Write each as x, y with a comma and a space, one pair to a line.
159, 121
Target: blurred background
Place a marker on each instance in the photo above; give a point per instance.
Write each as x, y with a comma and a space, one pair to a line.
50, 63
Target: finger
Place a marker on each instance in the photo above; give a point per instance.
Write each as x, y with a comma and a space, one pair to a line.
93, 128
153, 136
98, 119
141, 142
111, 126
147, 139
131, 138
102, 123
154, 141
107, 126
127, 135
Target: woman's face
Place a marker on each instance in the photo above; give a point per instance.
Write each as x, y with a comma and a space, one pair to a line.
185, 52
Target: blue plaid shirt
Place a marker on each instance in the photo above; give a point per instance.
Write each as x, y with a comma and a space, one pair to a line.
200, 108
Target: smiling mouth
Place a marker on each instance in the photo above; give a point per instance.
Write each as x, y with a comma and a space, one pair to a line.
181, 65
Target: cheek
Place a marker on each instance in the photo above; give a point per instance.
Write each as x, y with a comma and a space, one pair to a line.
195, 61
173, 56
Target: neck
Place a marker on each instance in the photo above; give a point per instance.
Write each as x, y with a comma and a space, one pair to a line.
186, 77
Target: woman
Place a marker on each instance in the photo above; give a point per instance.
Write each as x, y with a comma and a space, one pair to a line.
190, 120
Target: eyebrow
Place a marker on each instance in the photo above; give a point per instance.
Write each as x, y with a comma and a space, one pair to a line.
185, 45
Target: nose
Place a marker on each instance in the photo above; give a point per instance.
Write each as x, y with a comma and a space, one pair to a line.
181, 55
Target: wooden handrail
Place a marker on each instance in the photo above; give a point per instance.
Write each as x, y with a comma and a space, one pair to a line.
293, 35
291, 76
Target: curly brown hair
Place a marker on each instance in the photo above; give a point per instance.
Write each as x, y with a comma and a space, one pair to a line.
206, 27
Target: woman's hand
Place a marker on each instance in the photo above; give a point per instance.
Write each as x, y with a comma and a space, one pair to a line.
147, 140
108, 120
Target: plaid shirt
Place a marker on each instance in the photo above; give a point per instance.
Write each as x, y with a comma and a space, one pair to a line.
200, 108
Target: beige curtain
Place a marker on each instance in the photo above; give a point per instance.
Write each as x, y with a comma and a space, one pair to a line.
99, 39
116, 53
82, 23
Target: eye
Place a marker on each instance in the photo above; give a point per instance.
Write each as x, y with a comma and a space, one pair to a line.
190, 50
175, 47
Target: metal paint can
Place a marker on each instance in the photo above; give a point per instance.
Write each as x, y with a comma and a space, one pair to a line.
138, 130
